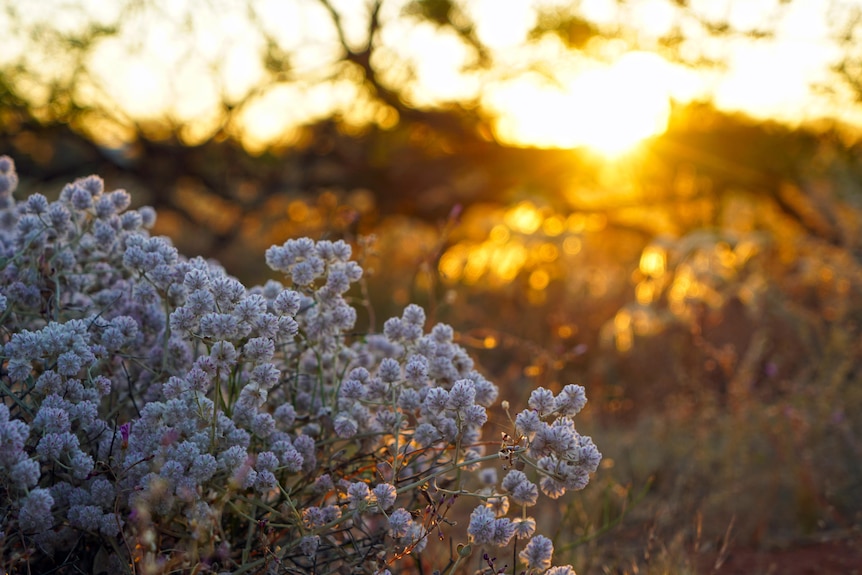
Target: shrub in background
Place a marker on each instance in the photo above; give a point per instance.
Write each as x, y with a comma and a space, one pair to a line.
159, 416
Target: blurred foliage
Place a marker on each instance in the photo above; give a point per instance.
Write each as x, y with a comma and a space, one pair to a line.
706, 288
574, 31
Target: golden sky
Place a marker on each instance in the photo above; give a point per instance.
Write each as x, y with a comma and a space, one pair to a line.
608, 101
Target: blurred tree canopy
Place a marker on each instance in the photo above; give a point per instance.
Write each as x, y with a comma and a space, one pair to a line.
357, 91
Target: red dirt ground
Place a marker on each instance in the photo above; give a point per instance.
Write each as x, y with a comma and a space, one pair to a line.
835, 557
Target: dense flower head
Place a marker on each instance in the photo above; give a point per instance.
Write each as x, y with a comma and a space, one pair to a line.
538, 553
486, 528
35, 514
542, 401
385, 495
570, 400
157, 396
481, 527
525, 527
399, 522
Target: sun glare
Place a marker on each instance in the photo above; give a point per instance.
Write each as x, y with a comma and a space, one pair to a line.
608, 109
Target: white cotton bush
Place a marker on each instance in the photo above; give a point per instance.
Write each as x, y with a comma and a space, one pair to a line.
159, 416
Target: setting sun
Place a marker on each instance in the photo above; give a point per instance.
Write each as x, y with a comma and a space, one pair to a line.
609, 109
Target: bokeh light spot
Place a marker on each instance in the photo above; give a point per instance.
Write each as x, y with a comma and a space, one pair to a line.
539, 279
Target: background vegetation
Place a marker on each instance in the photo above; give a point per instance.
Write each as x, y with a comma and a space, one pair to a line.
706, 287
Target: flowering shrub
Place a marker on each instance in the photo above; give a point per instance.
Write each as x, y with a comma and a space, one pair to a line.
158, 416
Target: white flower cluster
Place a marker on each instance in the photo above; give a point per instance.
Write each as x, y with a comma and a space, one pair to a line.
152, 402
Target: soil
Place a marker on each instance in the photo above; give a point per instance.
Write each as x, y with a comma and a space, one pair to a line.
842, 556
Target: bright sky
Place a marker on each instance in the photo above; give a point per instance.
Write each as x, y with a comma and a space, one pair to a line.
609, 107
609, 103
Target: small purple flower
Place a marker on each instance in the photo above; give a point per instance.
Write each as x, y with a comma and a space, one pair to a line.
266, 375
352, 389
524, 527
69, 363
81, 198
538, 553
120, 199
385, 495
124, 433
263, 425
313, 517
393, 329
426, 434
474, 416
35, 514
513, 478
110, 524
250, 308
486, 392
304, 273
399, 522
358, 493
416, 370
203, 467
462, 395
87, 517
436, 400
104, 207
25, 474
287, 303
59, 218
259, 349
414, 315
542, 400
52, 445
345, 426
389, 370
341, 251
292, 460
103, 492
285, 415
409, 399
134, 220
306, 448
525, 493
37, 204
442, 333
309, 544
504, 530
265, 481
571, 400
92, 184
266, 461
481, 526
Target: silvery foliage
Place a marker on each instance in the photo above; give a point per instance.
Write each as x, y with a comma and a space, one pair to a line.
156, 409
